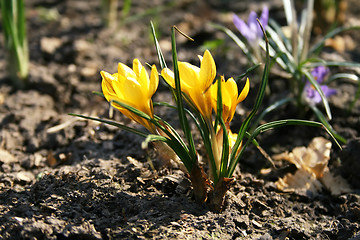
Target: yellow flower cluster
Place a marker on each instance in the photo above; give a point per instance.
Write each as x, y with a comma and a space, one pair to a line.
135, 88
197, 84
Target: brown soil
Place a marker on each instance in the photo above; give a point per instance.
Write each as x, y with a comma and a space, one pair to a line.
65, 178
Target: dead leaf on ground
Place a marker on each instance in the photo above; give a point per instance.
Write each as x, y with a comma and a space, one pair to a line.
313, 172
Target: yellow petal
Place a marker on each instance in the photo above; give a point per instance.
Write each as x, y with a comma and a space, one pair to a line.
125, 71
133, 92
168, 75
232, 138
189, 75
106, 84
229, 97
144, 80
132, 87
202, 101
228, 92
231, 88
207, 70
154, 80
118, 86
227, 100
213, 91
244, 92
137, 67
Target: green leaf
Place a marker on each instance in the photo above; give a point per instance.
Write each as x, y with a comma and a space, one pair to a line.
132, 109
98, 93
14, 28
155, 138
245, 125
280, 44
239, 78
327, 125
333, 64
225, 145
171, 130
179, 102
186, 156
276, 124
269, 109
336, 76
279, 56
165, 104
113, 123
280, 33
158, 49
305, 29
204, 132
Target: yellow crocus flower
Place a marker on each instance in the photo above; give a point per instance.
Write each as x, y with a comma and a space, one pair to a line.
132, 87
195, 82
230, 97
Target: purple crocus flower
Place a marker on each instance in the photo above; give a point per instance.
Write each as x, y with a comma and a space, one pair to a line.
312, 96
252, 31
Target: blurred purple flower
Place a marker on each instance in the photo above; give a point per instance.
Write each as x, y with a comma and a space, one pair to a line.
252, 31
312, 96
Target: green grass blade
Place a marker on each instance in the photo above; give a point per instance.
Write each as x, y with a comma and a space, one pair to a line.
336, 76
277, 28
154, 121
191, 115
279, 43
179, 102
275, 124
327, 125
158, 49
239, 78
350, 76
133, 110
14, 25
278, 56
204, 132
253, 140
171, 130
245, 125
178, 146
333, 64
225, 144
21, 24
306, 26
126, 8
113, 123
98, 93
188, 161
173, 145
269, 109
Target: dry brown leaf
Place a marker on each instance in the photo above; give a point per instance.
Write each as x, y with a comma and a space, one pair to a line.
313, 171
335, 184
302, 183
